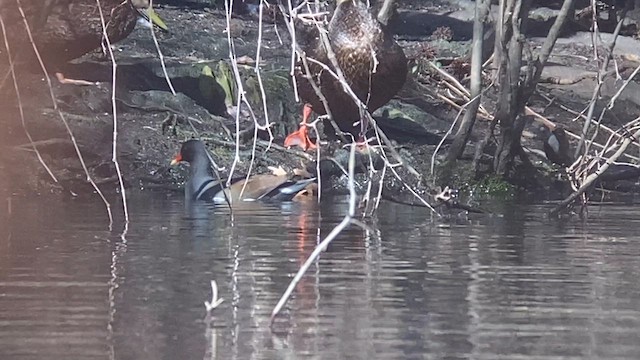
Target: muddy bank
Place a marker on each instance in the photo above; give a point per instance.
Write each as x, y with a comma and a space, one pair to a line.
152, 122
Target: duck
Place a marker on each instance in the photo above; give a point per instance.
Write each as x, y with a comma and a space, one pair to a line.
556, 147
64, 30
201, 184
373, 64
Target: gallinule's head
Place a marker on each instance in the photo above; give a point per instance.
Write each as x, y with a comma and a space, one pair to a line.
190, 151
200, 182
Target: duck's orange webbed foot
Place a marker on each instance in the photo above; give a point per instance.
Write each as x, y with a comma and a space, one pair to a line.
301, 136
362, 144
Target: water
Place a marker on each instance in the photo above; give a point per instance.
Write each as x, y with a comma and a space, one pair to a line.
517, 286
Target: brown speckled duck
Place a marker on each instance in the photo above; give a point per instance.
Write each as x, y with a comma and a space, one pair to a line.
373, 64
67, 29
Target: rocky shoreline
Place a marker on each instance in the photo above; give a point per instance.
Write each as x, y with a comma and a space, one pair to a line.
152, 122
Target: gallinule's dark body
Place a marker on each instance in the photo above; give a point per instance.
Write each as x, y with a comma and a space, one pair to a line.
373, 64
558, 151
202, 185
556, 147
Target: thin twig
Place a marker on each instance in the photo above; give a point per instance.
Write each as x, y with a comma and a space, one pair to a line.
591, 178
600, 82
322, 246
114, 150
12, 72
160, 55
62, 118
242, 98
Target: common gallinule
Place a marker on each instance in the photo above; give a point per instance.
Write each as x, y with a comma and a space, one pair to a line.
556, 147
202, 185
373, 64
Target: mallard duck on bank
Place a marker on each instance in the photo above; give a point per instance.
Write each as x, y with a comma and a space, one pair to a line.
373, 64
67, 29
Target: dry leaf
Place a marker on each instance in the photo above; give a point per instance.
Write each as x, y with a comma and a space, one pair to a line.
302, 172
245, 60
277, 171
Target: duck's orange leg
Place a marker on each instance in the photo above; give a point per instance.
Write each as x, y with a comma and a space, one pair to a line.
301, 136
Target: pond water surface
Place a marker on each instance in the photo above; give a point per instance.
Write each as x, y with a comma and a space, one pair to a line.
511, 286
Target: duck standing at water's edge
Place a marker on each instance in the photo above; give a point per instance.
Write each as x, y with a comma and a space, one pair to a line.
373, 64
201, 184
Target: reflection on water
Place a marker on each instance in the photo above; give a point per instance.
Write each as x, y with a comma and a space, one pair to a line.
516, 286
